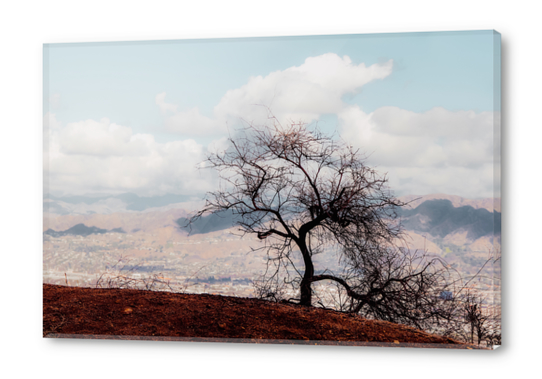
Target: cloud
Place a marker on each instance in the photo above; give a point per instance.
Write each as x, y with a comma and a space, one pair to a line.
340, 75
50, 146
103, 157
430, 152
218, 146
100, 138
303, 92
192, 123
164, 107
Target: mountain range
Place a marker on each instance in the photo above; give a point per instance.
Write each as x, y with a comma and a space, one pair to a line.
490, 204
440, 218
81, 230
433, 222
437, 217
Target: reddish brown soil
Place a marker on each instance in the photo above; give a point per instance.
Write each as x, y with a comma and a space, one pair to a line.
132, 314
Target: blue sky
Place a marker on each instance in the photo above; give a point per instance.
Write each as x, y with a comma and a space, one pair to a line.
438, 80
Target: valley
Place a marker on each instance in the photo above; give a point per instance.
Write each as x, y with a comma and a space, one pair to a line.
153, 244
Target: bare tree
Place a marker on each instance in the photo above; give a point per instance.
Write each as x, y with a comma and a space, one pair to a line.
401, 286
122, 275
475, 318
482, 322
301, 191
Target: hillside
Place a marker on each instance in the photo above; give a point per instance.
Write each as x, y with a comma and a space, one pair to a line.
440, 218
129, 222
134, 314
81, 230
489, 204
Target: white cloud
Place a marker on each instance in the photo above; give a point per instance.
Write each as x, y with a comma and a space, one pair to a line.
430, 152
164, 107
301, 93
297, 93
193, 123
99, 156
190, 122
219, 145
100, 138
437, 122
340, 75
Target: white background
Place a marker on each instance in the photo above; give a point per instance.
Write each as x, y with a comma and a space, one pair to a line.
26, 25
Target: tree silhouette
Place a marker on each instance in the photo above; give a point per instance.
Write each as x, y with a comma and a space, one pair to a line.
303, 193
299, 191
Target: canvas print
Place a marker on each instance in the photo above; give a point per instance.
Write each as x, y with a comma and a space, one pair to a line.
338, 189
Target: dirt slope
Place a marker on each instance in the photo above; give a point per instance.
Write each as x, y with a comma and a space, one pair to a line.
132, 314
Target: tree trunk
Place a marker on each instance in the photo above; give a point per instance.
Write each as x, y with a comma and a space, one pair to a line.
305, 288
306, 291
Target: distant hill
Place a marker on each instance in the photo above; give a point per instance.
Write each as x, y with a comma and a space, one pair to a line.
209, 223
129, 221
440, 218
490, 204
438, 227
437, 217
81, 230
